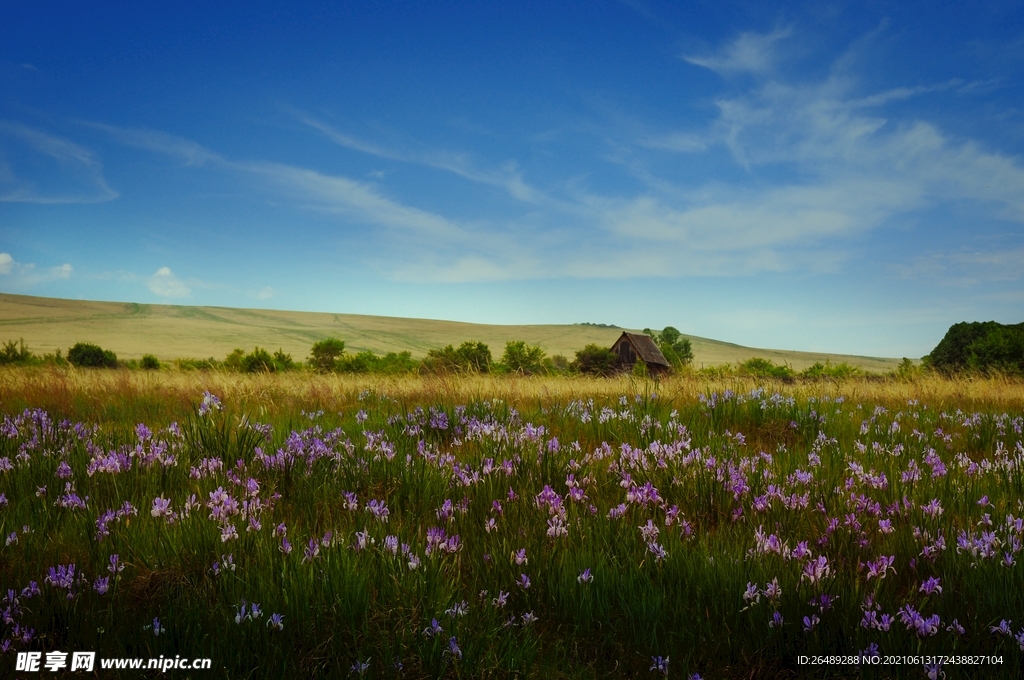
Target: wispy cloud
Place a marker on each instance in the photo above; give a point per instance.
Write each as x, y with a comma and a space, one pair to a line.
165, 284
749, 53
508, 177
74, 174
21, 276
967, 267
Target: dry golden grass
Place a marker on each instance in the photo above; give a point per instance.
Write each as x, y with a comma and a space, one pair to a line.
100, 395
175, 332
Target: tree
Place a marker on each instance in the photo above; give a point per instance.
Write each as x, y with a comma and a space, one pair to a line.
673, 345
85, 354
523, 358
258, 361
596, 360
15, 353
325, 354
149, 362
470, 356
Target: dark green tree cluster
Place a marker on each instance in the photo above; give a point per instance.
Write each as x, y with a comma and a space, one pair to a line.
470, 356
676, 348
980, 346
259, 360
329, 356
596, 360
87, 355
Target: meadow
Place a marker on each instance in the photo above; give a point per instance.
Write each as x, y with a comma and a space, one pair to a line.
304, 525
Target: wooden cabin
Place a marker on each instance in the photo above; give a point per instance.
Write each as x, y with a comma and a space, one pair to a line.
632, 346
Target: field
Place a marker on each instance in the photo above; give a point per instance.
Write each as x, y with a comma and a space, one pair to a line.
176, 332
325, 526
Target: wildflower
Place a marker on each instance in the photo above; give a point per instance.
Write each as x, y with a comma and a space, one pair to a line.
1003, 628
810, 622
955, 627
433, 629
276, 621
241, 613
312, 551
161, 507
659, 664
157, 628
871, 651
934, 671
529, 618
360, 667
776, 621
816, 570
657, 550
210, 403
280, 530
12, 537
391, 544
414, 562
930, 585
752, 596
1020, 639
501, 600
649, 531
585, 576
772, 591
453, 647
519, 556
254, 611
457, 609
285, 546
378, 509
490, 525
228, 532
880, 567
524, 581
102, 585
115, 567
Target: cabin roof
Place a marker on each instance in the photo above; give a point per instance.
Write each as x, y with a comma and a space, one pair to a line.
645, 348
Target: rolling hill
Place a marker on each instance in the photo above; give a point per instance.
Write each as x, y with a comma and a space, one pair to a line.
177, 331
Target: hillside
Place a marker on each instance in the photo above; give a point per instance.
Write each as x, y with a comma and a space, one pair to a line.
175, 331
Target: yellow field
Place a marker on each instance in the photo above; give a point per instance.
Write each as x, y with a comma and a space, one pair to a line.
103, 394
174, 331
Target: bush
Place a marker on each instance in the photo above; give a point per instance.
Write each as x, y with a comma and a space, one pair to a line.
522, 358
763, 368
283, 361
258, 361
325, 354
556, 364
86, 355
596, 360
150, 362
233, 361
196, 364
15, 353
830, 371
471, 356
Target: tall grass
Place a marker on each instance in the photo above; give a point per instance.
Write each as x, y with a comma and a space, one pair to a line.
679, 497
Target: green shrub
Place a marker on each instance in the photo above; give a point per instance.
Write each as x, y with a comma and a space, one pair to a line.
471, 356
196, 364
522, 358
233, 361
556, 364
596, 360
258, 361
284, 362
764, 368
149, 362
87, 355
830, 371
15, 353
325, 354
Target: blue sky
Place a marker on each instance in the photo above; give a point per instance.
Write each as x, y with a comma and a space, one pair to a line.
841, 177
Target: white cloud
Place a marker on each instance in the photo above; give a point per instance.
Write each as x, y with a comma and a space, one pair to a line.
749, 52
165, 284
72, 173
26, 275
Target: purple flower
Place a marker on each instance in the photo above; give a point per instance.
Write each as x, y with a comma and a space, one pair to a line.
453, 648
102, 585
930, 585
276, 621
659, 664
585, 576
433, 629
810, 622
161, 507
524, 581
1002, 629
776, 621
519, 556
